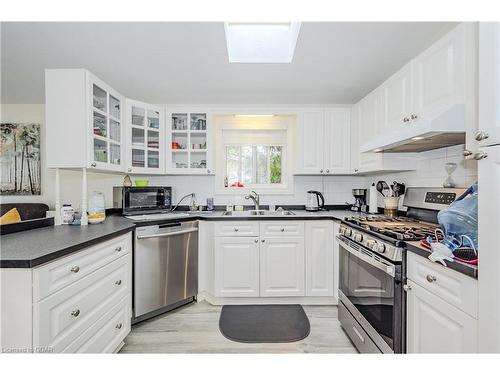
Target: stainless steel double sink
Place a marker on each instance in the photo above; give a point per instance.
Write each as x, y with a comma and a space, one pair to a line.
251, 213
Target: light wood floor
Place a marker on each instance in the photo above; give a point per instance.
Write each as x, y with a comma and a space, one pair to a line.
195, 329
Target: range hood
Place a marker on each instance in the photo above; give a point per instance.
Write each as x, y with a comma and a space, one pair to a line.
444, 130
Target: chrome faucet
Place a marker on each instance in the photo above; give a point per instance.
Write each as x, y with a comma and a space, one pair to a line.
255, 199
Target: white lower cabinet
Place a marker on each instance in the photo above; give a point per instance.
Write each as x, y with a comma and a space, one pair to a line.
319, 258
281, 267
292, 258
237, 267
435, 326
441, 309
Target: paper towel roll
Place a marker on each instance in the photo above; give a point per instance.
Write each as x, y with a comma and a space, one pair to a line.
373, 206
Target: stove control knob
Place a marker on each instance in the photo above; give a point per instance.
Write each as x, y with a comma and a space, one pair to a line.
371, 244
342, 230
348, 232
358, 237
380, 247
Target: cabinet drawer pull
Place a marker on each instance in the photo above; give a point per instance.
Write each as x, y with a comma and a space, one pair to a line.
263, 241
118, 249
75, 313
93, 165
256, 241
118, 282
119, 326
431, 278
75, 269
236, 229
361, 338
481, 135
282, 229
406, 119
414, 117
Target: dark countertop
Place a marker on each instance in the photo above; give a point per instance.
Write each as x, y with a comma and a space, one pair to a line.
467, 269
34, 247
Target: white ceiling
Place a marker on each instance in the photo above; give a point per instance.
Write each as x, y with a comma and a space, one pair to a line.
335, 62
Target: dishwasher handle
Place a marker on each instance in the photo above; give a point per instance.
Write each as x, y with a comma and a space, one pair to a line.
168, 234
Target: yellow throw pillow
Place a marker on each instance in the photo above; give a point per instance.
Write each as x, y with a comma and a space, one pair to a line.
11, 216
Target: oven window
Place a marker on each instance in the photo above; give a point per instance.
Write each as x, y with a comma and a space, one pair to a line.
371, 291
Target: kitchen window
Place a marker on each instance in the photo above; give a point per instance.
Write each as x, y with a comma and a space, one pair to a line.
251, 165
253, 153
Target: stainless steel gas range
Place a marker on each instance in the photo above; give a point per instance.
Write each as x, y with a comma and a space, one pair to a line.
372, 269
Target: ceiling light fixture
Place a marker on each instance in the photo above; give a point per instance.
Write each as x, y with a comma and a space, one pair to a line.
251, 42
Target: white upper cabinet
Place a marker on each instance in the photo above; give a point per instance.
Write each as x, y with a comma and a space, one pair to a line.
323, 141
310, 137
145, 138
489, 84
189, 141
337, 134
397, 95
84, 118
440, 75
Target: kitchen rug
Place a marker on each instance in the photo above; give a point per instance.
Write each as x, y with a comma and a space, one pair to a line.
264, 323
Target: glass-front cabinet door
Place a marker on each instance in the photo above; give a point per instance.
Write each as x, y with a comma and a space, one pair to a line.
106, 141
145, 138
188, 143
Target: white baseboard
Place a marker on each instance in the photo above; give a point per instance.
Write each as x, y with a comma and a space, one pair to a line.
219, 301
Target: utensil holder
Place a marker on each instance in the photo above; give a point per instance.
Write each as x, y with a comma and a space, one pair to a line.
391, 206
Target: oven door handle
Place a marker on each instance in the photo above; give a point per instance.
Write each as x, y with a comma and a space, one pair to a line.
168, 234
390, 270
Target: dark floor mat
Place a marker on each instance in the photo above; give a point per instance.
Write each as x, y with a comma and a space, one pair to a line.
264, 323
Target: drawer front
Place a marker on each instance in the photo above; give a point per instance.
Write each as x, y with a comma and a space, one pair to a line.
282, 228
107, 334
356, 333
65, 315
453, 287
237, 229
54, 276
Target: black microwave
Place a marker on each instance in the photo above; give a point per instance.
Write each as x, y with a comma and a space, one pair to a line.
138, 200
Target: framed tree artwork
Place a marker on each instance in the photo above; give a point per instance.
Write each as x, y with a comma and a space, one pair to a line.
20, 167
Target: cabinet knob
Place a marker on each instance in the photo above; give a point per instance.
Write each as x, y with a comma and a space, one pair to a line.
282, 229
467, 153
93, 165
413, 117
75, 269
356, 169
208, 170
75, 313
327, 171
256, 241
480, 155
481, 135
406, 119
118, 282
119, 326
118, 249
236, 229
263, 241
431, 278
321, 171
406, 287
129, 170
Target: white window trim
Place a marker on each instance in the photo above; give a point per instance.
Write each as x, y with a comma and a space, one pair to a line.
287, 123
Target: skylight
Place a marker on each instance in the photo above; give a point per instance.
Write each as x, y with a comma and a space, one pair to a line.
261, 42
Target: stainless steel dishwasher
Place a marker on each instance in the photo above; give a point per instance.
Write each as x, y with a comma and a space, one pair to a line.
165, 268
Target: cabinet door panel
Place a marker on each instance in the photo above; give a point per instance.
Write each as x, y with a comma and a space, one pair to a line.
439, 75
282, 267
489, 81
397, 94
309, 148
337, 141
319, 258
434, 326
236, 267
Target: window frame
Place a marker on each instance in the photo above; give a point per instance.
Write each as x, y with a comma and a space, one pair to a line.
285, 122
